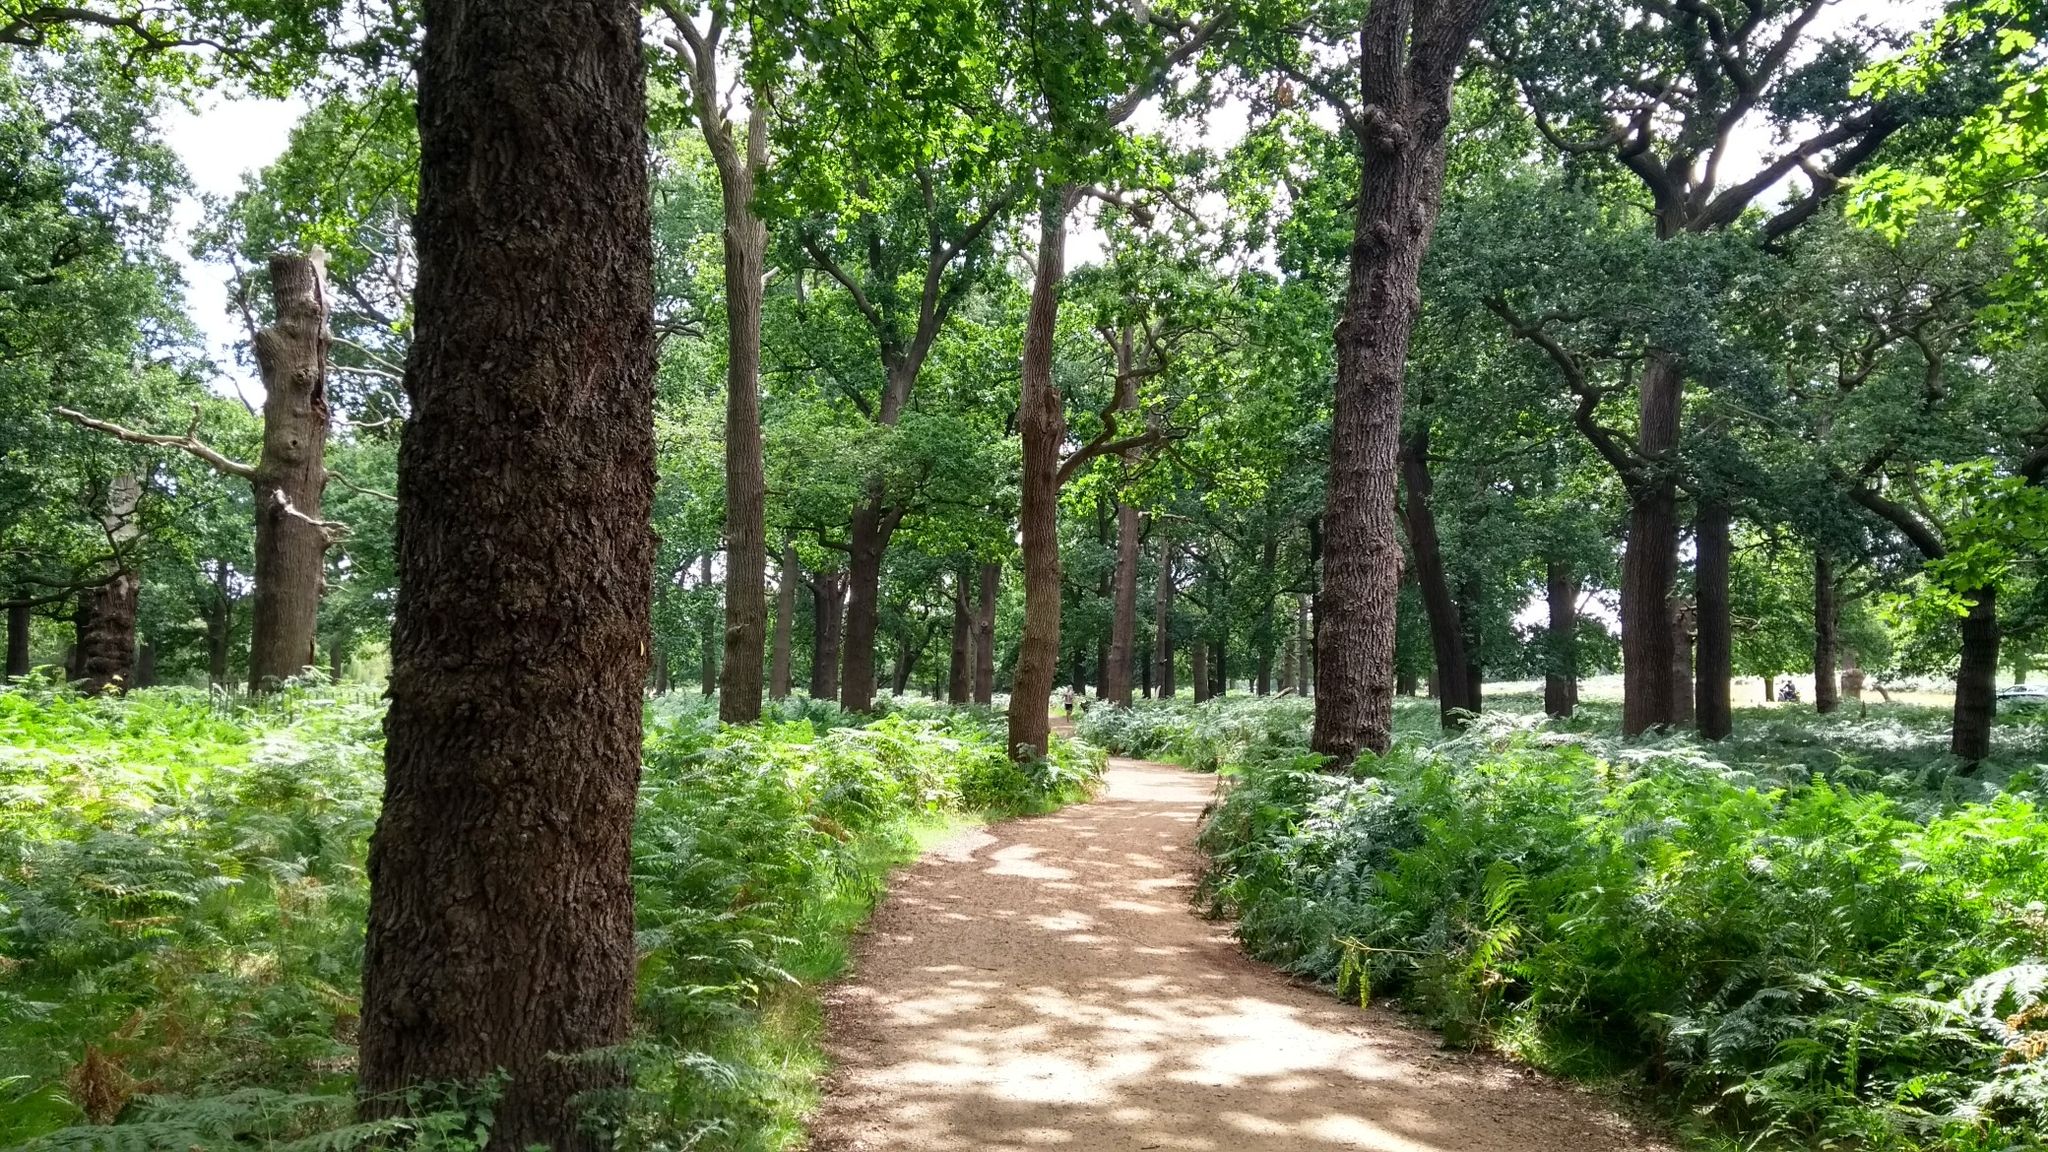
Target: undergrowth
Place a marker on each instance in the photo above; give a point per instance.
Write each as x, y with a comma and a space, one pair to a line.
182, 897
1813, 936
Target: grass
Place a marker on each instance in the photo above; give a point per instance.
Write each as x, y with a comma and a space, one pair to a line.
182, 898
1815, 935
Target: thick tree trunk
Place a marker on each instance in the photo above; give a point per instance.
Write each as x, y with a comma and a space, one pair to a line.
501, 922
1455, 697
1681, 663
1715, 652
868, 539
1198, 668
1825, 616
1977, 679
828, 622
746, 538
145, 666
1042, 421
1649, 562
960, 672
19, 623
985, 635
106, 637
1561, 660
707, 639
1406, 79
1162, 620
291, 474
785, 624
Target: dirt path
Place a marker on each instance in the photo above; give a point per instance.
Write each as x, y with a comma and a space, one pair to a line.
1044, 983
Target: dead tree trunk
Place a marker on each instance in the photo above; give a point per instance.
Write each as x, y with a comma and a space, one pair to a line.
291, 474
106, 638
500, 937
828, 618
985, 635
1411, 53
1825, 615
785, 623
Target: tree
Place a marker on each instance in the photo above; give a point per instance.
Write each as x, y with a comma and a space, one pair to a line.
500, 934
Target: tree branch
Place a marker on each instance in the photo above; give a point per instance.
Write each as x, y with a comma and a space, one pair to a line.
189, 441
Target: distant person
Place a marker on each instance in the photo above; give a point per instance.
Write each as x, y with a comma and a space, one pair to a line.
1067, 699
1788, 693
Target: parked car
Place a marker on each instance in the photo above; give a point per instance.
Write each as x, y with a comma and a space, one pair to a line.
2022, 698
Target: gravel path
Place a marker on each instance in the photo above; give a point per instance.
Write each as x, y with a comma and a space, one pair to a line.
1044, 983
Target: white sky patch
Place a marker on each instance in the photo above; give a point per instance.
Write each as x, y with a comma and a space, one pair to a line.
221, 142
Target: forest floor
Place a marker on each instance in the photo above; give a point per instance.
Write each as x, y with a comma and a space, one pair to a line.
1046, 983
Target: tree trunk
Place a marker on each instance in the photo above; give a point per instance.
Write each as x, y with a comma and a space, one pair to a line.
828, 621
873, 525
1977, 679
1264, 632
1042, 421
1198, 668
1561, 660
960, 672
707, 639
1406, 83
1649, 562
1455, 699
1305, 652
291, 474
145, 666
1715, 708
985, 636
1219, 666
1162, 620
746, 538
1825, 616
1406, 683
501, 922
1123, 622
1681, 663
19, 623
1144, 662
785, 623
106, 637
220, 621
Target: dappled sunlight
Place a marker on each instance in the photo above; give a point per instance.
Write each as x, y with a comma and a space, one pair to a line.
1050, 987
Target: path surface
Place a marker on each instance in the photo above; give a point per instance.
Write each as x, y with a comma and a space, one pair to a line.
1044, 983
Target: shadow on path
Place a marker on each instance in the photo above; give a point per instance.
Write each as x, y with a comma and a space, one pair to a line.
1044, 983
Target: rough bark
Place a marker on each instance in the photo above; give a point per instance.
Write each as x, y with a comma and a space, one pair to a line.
106, 635
1681, 616
1649, 562
785, 623
19, 623
1561, 661
960, 672
1162, 621
707, 640
291, 473
1714, 655
1977, 679
1411, 51
501, 920
828, 620
868, 540
985, 635
1456, 698
1042, 423
1825, 616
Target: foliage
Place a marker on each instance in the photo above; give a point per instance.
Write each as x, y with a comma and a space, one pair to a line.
182, 898
1788, 956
